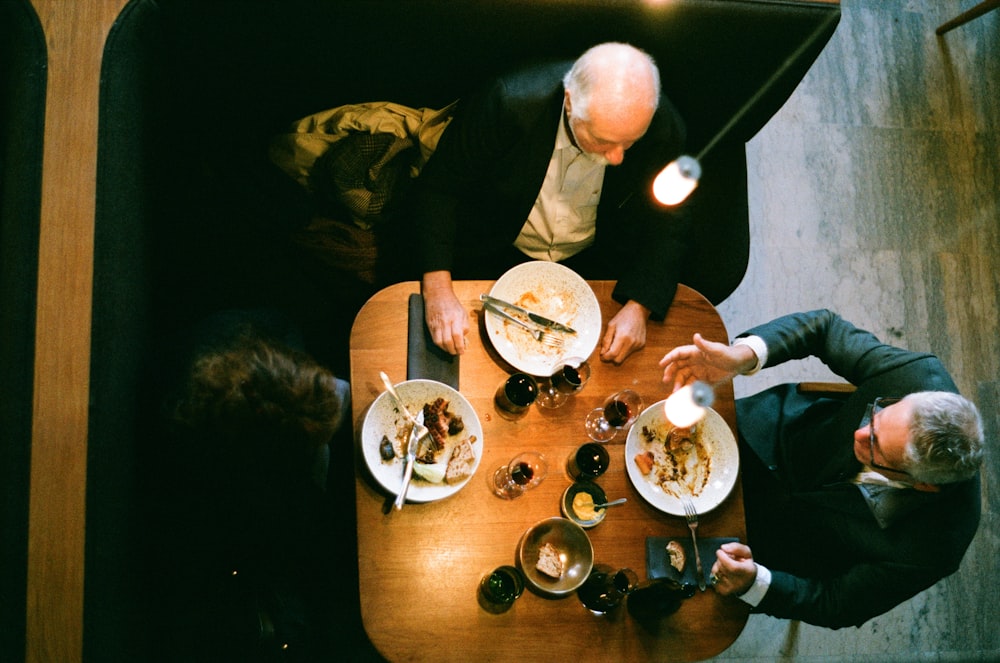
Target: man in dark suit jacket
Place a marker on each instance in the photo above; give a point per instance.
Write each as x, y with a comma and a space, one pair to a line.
854, 504
496, 159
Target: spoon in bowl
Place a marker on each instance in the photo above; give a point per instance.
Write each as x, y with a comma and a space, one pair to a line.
611, 503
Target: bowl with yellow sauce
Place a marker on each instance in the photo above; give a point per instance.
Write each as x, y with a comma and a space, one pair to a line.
578, 503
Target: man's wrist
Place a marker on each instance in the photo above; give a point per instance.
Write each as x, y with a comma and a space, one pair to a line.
759, 349
436, 281
761, 583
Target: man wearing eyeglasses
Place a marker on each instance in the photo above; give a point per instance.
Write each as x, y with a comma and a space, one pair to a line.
854, 503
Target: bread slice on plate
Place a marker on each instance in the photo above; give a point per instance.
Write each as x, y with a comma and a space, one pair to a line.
549, 561
675, 551
461, 462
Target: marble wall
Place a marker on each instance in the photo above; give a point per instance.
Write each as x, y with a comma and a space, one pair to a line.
875, 192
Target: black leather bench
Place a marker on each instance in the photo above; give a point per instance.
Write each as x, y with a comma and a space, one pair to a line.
192, 217
22, 118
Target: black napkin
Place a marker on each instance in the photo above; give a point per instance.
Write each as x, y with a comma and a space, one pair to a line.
423, 358
658, 561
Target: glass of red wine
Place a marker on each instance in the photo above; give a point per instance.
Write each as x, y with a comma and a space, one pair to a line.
619, 411
525, 471
569, 377
515, 395
605, 589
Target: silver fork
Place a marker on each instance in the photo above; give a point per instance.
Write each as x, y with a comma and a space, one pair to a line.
542, 336
692, 520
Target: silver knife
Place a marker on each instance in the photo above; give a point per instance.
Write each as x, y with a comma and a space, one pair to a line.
411, 457
534, 317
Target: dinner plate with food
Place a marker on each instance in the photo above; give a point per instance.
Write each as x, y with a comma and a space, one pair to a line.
554, 292
445, 461
665, 462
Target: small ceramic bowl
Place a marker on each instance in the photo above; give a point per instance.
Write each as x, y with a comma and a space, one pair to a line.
597, 496
575, 551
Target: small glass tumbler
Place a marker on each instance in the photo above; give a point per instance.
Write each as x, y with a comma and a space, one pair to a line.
515, 395
500, 588
605, 589
589, 461
525, 471
569, 377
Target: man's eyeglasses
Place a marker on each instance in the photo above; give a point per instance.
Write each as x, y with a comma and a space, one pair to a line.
874, 408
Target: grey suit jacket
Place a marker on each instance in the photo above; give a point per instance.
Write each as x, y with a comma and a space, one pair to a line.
839, 555
476, 191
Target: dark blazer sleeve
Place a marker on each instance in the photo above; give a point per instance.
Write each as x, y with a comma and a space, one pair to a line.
853, 569
488, 166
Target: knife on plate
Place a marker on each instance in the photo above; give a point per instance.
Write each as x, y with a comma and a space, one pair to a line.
411, 457
534, 317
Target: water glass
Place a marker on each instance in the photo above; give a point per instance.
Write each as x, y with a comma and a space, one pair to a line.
500, 588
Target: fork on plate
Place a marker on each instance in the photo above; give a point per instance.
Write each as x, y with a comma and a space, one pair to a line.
541, 335
691, 515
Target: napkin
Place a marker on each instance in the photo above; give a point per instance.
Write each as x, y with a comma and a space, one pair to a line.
658, 561
424, 359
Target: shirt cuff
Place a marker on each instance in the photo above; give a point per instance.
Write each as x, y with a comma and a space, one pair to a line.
761, 584
759, 347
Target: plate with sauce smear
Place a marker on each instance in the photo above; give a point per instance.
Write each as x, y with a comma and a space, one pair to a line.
555, 292
702, 462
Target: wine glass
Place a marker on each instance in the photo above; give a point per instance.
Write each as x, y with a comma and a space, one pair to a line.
569, 377
619, 411
589, 461
515, 395
525, 471
605, 589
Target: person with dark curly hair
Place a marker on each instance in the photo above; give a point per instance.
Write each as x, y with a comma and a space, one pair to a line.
245, 532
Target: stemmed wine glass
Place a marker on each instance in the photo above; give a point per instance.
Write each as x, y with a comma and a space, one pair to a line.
619, 411
569, 377
526, 470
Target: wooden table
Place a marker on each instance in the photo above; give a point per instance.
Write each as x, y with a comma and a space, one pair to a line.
419, 568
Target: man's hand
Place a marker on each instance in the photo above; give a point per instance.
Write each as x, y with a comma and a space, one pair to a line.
707, 361
446, 318
734, 569
626, 332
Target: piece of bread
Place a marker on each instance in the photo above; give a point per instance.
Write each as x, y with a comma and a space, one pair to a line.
549, 561
461, 462
675, 551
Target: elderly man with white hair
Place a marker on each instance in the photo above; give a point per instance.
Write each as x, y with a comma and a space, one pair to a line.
555, 162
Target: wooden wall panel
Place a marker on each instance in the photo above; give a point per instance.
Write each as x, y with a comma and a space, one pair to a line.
75, 31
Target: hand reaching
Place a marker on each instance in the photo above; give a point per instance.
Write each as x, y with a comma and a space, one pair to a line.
707, 361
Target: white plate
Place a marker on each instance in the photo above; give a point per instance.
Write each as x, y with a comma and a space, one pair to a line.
720, 446
385, 418
556, 292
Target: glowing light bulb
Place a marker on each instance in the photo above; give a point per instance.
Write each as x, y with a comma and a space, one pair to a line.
686, 406
676, 182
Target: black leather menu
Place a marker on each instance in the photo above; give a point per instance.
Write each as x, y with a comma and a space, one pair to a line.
423, 358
